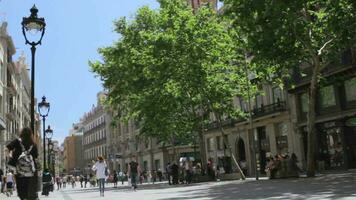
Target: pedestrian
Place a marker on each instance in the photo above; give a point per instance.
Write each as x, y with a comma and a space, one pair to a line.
100, 167
115, 179
154, 176
159, 174
175, 173
86, 178
169, 172
9, 183
122, 177
64, 181
134, 170
72, 178
81, 179
24, 157
1, 181
46, 181
59, 182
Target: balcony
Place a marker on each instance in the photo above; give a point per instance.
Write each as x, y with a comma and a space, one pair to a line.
215, 125
279, 106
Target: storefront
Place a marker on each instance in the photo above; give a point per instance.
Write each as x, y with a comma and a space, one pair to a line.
336, 144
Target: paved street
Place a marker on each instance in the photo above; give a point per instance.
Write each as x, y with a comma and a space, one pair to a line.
331, 186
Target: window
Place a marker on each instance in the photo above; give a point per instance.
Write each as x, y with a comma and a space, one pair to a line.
304, 102
210, 144
243, 105
277, 94
327, 96
282, 129
350, 92
219, 142
259, 101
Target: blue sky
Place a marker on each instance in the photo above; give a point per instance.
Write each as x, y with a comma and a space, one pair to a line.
75, 30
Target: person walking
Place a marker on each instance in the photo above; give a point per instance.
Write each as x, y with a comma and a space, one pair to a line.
100, 167
64, 181
24, 157
169, 172
115, 179
134, 170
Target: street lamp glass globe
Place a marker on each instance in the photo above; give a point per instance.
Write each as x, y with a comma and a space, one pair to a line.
49, 132
33, 24
43, 107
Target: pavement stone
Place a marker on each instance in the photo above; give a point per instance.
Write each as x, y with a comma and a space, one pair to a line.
328, 186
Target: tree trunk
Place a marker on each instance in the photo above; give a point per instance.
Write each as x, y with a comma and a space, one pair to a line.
227, 144
311, 119
203, 156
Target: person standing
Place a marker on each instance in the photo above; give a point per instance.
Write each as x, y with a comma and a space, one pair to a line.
134, 170
169, 173
46, 180
24, 157
100, 167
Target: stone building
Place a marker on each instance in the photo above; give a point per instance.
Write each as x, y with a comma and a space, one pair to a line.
335, 113
95, 129
272, 131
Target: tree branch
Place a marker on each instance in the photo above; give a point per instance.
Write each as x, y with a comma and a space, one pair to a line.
323, 47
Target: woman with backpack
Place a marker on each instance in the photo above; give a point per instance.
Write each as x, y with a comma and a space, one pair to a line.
100, 168
24, 154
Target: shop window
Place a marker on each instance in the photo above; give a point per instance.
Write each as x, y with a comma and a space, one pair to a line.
327, 96
350, 86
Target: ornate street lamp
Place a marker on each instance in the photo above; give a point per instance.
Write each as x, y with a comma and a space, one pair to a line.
33, 25
49, 134
43, 109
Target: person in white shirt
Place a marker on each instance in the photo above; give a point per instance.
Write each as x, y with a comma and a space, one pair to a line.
100, 169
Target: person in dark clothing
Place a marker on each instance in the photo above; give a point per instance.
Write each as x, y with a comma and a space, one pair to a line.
175, 173
134, 170
81, 179
1, 182
169, 173
26, 183
46, 181
115, 179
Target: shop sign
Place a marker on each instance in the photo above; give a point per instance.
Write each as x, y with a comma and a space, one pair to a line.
351, 122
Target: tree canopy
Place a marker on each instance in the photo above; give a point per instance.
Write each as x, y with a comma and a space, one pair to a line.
170, 68
283, 35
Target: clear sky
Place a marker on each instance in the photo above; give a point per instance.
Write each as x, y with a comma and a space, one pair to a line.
75, 30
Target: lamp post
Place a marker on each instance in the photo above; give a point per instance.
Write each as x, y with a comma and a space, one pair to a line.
43, 109
33, 24
256, 150
49, 134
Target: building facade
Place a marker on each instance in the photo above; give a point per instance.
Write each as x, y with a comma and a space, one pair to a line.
95, 130
270, 132
335, 114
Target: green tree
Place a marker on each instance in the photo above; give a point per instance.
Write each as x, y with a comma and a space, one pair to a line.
287, 34
170, 69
